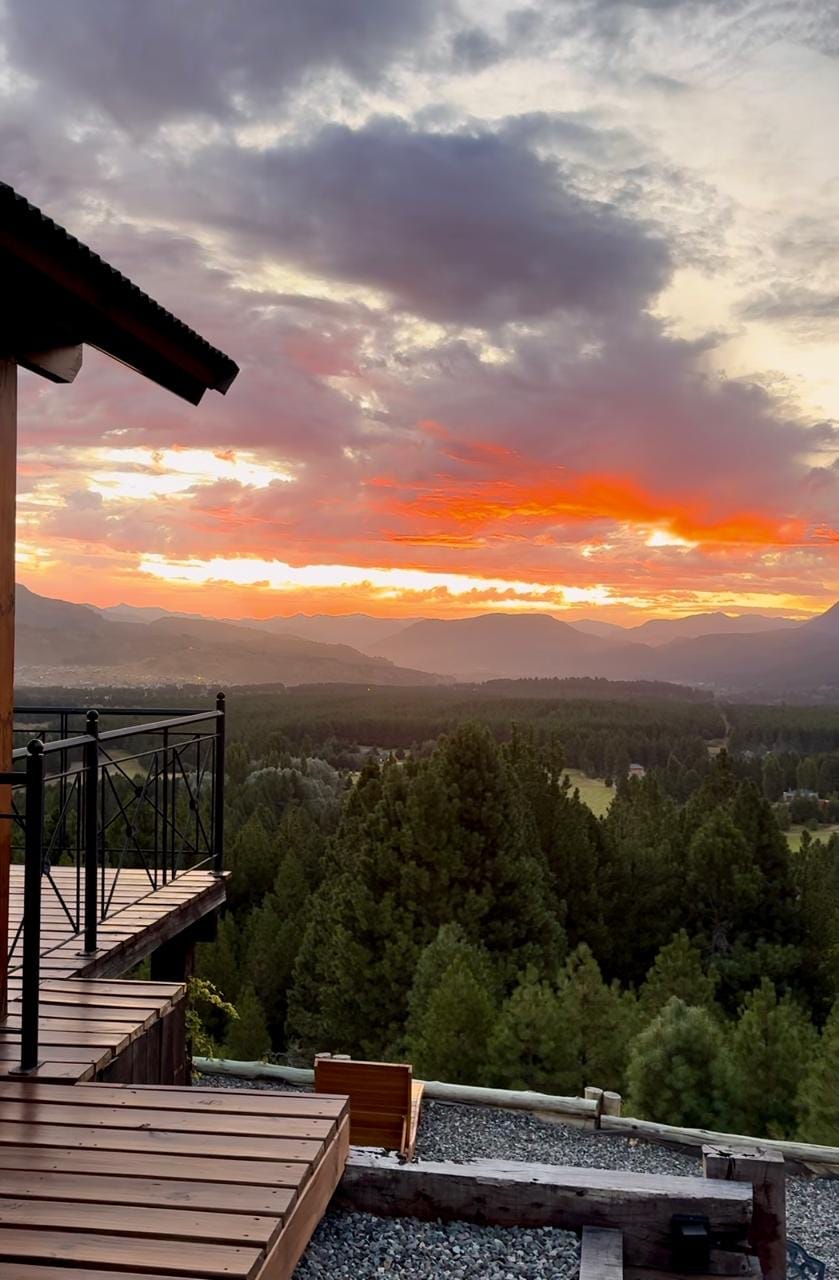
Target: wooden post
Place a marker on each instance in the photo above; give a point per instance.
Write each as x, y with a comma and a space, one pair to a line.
8, 471
601, 1256
764, 1169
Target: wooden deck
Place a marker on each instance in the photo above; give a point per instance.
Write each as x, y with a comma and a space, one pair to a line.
98, 1181
140, 919
100, 1178
88, 1025
91, 1026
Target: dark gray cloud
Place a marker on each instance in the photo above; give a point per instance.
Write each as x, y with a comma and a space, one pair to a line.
466, 227
609, 29
793, 304
146, 61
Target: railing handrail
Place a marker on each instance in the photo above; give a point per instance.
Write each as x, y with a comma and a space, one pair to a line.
114, 735
102, 711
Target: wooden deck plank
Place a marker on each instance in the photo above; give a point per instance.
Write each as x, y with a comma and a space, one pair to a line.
80, 1020
170, 1223
158, 1142
200, 1102
10, 1053
28, 1271
118, 1252
82, 1038
52, 1072
164, 1166
228, 1123
218, 1197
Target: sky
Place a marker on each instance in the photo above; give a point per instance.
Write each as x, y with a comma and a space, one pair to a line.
536, 306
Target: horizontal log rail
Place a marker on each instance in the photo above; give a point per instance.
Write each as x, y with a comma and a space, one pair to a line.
437, 1090
590, 1111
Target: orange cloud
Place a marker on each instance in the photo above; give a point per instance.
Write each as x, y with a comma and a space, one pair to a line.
528, 495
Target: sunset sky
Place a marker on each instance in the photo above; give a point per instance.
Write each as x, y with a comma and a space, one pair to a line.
536, 307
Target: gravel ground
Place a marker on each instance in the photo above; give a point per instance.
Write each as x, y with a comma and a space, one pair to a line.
360, 1246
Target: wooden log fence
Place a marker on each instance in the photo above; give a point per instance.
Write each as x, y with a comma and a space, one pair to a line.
599, 1108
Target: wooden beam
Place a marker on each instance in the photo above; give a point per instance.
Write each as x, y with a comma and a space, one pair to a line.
59, 364
601, 1256
764, 1170
508, 1194
8, 472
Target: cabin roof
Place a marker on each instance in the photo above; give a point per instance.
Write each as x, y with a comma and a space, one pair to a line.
58, 293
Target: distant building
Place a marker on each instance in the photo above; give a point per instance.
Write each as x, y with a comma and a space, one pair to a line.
637, 771
800, 793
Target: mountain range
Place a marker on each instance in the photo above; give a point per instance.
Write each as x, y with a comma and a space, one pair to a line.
61, 643
751, 655
657, 631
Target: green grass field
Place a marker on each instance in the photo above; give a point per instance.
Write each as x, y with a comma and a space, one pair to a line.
593, 791
794, 835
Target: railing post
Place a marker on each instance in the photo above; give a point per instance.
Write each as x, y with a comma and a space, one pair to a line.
91, 832
32, 872
218, 788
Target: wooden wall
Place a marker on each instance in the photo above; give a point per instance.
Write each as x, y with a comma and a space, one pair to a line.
157, 1056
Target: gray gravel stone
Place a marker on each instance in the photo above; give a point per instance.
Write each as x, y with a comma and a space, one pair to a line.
452, 1132
358, 1245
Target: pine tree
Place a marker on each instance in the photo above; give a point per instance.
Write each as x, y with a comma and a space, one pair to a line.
807, 774
237, 762
267, 969
447, 840
640, 878
817, 877
248, 1039
450, 946
677, 971
777, 920
253, 858
450, 1036
764, 1064
722, 884
605, 1020
673, 1067
772, 778
477, 855
819, 1096
569, 834
533, 1045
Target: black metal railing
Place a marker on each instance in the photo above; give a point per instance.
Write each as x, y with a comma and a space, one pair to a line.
146, 797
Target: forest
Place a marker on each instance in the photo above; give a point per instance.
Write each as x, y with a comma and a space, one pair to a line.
435, 889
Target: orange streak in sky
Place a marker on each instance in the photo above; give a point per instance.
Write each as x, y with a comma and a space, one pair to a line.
554, 495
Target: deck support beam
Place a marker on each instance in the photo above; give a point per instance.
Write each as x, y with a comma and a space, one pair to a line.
642, 1206
8, 470
174, 959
